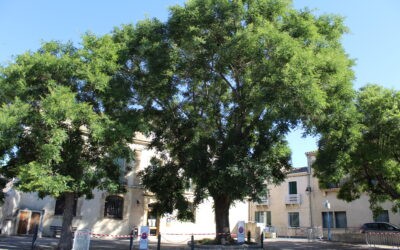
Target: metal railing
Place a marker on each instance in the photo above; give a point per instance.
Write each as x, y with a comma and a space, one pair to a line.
374, 239
293, 199
310, 233
264, 201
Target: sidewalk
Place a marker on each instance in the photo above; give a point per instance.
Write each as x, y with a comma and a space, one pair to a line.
300, 244
45, 243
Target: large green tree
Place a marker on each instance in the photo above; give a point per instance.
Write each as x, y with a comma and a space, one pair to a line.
222, 82
63, 122
363, 153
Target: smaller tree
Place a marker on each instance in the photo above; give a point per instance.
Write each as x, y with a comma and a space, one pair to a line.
62, 125
362, 150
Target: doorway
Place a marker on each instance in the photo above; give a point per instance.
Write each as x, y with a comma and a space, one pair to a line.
23, 221
28, 220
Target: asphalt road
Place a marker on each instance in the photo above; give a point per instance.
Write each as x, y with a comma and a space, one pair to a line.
24, 242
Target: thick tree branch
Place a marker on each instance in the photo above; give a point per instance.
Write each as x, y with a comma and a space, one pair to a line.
227, 82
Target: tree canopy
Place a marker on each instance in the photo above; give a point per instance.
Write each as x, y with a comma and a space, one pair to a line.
221, 83
63, 121
364, 155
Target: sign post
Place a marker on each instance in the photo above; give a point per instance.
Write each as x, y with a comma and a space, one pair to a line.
328, 206
241, 232
81, 240
144, 238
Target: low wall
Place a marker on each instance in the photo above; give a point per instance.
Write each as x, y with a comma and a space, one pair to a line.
348, 237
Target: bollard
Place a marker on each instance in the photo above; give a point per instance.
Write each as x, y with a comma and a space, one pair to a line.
262, 240
192, 243
35, 233
131, 240
158, 241
248, 236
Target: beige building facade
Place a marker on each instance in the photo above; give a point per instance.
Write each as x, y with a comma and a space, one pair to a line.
299, 203
291, 208
109, 213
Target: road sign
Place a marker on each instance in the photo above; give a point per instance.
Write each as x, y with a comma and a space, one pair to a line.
81, 240
144, 238
240, 232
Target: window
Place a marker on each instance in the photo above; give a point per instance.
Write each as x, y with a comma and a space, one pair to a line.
336, 219
263, 217
114, 207
382, 217
340, 220
373, 226
60, 205
386, 227
325, 219
265, 198
294, 219
259, 217
152, 219
269, 218
292, 187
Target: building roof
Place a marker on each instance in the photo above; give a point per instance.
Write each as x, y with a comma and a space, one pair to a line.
314, 152
299, 170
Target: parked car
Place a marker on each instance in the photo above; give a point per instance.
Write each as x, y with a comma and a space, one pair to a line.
379, 226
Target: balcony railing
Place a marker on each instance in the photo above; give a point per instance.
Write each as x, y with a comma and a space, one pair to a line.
293, 199
264, 201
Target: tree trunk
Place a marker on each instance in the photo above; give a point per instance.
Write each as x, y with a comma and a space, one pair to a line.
222, 204
65, 242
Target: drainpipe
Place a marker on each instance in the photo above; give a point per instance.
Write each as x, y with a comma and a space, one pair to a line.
309, 203
309, 191
250, 210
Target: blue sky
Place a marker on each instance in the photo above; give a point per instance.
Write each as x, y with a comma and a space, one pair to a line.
374, 37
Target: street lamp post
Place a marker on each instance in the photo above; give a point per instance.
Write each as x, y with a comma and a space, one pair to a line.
328, 206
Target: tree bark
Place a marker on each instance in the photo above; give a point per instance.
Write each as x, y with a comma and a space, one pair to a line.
221, 204
65, 242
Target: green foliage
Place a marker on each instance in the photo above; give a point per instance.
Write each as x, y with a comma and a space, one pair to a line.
60, 126
221, 84
363, 152
168, 178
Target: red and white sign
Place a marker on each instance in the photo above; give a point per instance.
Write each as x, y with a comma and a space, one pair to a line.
144, 238
240, 232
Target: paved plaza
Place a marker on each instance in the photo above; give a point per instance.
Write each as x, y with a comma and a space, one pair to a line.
24, 242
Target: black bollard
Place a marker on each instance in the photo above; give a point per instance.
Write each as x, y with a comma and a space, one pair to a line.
192, 243
131, 240
248, 236
35, 233
158, 241
262, 240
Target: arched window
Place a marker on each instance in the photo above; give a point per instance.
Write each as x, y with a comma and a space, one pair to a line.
114, 207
